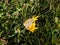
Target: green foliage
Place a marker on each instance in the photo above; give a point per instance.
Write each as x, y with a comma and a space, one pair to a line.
13, 13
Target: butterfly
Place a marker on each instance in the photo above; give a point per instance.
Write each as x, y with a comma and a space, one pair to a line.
30, 23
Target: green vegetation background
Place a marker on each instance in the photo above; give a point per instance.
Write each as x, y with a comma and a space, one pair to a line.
13, 13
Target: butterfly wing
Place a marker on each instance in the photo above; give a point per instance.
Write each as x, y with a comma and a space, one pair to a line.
27, 23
